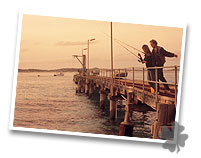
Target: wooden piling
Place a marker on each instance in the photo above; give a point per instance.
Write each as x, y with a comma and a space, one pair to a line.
155, 130
87, 87
165, 117
113, 109
164, 104
82, 86
79, 86
102, 99
126, 127
91, 90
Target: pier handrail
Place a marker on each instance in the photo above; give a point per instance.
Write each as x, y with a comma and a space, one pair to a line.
105, 75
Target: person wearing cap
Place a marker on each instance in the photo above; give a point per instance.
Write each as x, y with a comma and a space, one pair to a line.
159, 54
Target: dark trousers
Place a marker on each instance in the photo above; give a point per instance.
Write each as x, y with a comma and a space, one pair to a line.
151, 77
162, 78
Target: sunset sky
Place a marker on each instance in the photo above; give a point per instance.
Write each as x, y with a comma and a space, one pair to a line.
50, 42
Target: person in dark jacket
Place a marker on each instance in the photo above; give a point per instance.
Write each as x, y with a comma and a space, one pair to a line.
159, 54
148, 60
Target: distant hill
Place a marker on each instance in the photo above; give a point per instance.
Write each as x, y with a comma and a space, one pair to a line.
54, 70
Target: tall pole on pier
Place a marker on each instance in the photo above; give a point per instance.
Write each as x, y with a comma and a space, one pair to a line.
113, 106
88, 57
111, 61
89, 40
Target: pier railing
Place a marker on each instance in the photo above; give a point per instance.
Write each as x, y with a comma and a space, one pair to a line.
130, 76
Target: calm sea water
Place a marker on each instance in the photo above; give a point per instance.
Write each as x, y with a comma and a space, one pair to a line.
50, 102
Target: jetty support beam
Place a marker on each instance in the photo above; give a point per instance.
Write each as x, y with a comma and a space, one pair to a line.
126, 127
80, 85
163, 127
78, 89
113, 106
103, 95
91, 89
87, 87
113, 109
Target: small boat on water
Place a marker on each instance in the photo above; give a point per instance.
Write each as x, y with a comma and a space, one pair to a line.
121, 75
59, 74
95, 71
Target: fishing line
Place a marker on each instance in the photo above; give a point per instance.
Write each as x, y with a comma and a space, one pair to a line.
118, 41
130, 46
127, 49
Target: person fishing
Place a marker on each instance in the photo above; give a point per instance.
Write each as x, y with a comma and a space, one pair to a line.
148, 60
159, 54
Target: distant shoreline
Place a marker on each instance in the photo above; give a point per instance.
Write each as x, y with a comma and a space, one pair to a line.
64, 70
53, 70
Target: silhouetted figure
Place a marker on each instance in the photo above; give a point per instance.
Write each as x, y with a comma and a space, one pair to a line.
149, 61
159, 54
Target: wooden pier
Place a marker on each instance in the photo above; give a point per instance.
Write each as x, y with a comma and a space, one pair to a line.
114, 84
116, 88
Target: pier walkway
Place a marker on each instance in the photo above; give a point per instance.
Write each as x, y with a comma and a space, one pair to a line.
130, 84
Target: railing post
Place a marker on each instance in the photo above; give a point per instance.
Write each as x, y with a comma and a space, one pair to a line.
104, 75
133, 80
175, 85
119, 78
143, 83
125, 79
114, 76
156, 86
100, 72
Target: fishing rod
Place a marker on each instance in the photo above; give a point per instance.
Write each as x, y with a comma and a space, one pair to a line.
127, 49
124, 43
139, 55
118, 41
129, 45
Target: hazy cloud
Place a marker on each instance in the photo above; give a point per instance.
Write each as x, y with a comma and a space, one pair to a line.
71, 43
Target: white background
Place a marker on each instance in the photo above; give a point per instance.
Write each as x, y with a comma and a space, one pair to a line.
172, 12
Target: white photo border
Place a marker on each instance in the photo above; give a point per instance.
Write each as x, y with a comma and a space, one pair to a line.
45, 13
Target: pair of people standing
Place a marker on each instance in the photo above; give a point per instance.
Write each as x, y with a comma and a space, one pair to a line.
156, 58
